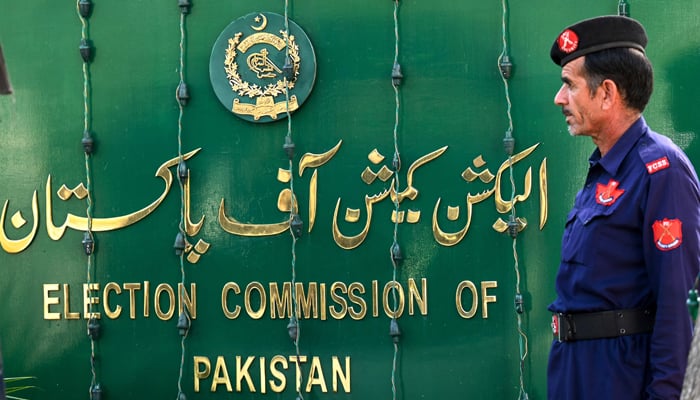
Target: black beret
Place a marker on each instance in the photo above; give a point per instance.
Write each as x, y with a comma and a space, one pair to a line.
597, 34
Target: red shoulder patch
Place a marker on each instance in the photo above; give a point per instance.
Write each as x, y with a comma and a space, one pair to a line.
667, 234
658, 165
606, 195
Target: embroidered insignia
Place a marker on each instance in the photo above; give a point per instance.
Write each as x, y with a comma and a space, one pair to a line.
667, 234
606, 195
658, 165
568, 41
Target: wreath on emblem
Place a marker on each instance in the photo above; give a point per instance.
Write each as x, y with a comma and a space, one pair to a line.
244, 88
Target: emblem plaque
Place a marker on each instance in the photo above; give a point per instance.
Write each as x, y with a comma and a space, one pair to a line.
259, 71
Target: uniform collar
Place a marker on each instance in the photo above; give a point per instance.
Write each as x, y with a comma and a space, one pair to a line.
613, 159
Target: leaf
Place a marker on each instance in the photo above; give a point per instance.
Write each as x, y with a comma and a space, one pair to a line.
13, 389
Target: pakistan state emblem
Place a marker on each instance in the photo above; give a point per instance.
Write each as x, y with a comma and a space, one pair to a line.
259, 70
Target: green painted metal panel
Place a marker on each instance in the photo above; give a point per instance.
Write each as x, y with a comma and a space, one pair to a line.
452, 95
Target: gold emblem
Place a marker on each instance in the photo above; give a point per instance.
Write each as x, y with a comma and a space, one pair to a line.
262, 77
261, 66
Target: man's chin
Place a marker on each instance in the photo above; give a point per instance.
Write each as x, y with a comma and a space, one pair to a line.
574, 130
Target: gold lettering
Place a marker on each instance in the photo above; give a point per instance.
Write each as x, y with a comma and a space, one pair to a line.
278, 388
88, 300
298, 360
67, 314
393, 287
164, 287
485, 298
338, 300
355, 299
275, 377
48, 300
316, 376
263, 387
310, 300
17, 246
280, 305
375, 298
187, 301
199, 374
458, 299
322, 292
243, 373
544, 206
306, 305
263, 300
339, 374
414, 296
224, 300
94, 294
111, 286
221, 375
146, 298
132, 288
264, 37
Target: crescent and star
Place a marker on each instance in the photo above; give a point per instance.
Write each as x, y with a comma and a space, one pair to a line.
262, 20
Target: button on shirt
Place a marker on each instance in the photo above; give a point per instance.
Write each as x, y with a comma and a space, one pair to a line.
631, 240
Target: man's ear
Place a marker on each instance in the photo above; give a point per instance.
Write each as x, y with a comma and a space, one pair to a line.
610, 93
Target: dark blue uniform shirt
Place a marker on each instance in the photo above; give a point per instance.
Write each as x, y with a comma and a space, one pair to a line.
632, 240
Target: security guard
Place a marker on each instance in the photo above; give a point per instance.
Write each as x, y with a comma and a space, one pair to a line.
631, 246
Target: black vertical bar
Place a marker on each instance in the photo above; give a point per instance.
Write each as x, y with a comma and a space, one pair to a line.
5, 87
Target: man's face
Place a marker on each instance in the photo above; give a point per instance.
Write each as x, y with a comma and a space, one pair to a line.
580, 107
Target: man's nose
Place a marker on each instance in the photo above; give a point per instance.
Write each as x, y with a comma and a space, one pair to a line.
560, 98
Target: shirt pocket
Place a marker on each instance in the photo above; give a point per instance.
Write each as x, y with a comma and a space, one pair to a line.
579, 242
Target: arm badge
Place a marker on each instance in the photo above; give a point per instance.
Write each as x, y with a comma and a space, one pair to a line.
667, 234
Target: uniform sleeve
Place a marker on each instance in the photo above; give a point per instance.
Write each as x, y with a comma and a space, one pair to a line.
671, 240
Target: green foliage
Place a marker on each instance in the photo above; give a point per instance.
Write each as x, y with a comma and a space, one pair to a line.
10, 388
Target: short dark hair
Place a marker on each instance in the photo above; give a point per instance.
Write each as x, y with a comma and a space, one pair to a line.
629, 69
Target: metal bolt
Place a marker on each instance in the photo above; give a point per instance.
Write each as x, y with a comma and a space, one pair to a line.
93, 328
85, 50
183, 94
396, 75
87, 142
179, 245
184, 6
396, 254
506, 66
289, 147
293, 329
182, 171
88, 243
96, 392
297, 226
183, 323
394, 330
519, 303
85, 8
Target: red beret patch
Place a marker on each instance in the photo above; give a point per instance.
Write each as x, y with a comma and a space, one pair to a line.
568, 41
667, 234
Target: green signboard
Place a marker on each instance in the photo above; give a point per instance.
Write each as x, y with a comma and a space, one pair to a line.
312, 199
